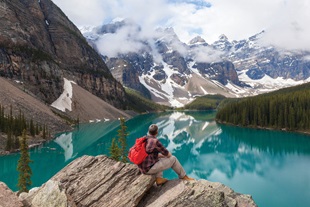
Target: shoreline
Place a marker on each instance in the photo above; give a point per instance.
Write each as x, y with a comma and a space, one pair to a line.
265, 128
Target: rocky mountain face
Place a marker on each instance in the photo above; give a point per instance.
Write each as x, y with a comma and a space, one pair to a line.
174, 72
101, 181
39, 46
160, 69
255, 61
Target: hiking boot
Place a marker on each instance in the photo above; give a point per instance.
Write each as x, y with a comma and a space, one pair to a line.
160, 181
187, 178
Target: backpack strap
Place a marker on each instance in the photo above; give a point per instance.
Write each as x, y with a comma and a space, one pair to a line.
146, 140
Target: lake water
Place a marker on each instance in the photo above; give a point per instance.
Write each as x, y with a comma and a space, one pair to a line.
272, 166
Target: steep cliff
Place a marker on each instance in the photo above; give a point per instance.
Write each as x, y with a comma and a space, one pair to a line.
39, 45
163, 67
101, 181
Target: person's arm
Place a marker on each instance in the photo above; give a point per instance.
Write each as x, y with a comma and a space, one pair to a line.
163, 152
162, 156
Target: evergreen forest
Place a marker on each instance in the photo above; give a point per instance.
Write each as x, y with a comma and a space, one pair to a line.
13, 126
207, 102
287, 109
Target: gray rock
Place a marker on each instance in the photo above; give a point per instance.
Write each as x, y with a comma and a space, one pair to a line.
101, 181
49, 195
194, 193
40, 46
7, 197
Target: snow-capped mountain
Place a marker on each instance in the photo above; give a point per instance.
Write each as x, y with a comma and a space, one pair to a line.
174, 73
265, 68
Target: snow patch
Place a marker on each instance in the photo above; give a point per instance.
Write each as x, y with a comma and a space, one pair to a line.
269, 83
165, 90
65, 99
65, 142
205, 126
203, 90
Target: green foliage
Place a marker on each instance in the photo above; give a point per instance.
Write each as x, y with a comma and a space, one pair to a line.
284, 109
31, 128
44, 132
141, 104
207, 102
122, 139
9, 142
118, 149
14, 126
25, 172
115, 152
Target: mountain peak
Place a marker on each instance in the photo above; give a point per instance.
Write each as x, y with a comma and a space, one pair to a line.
197, 40
223, 37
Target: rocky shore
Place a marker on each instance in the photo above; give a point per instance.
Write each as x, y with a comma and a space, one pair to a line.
101, 181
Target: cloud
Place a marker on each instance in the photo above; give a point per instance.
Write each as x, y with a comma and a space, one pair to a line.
290, 30
206, 54
125, 40
83, 13
285, 21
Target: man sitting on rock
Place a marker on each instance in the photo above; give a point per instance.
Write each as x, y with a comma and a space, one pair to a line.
159, 159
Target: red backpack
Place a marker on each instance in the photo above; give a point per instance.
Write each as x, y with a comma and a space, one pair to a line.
137, 152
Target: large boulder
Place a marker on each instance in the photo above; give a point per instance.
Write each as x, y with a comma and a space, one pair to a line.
101, 181
7, 197
195, 193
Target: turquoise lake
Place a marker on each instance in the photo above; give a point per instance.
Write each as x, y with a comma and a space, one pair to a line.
272, 166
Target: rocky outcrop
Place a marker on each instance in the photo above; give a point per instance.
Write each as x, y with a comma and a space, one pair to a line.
199, 193
8, 198
101, 181
39, 45
128, 73
220, 71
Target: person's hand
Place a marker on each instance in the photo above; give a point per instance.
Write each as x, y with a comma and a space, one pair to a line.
169, 155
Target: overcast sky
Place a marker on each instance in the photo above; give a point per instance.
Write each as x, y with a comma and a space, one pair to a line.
286, 22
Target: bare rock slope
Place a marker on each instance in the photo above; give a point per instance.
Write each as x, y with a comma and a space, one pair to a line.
40, 46
33, 108
7, 197
85, 106
101, 181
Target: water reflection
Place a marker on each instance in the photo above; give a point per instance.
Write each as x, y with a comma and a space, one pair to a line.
73, 143
256, 162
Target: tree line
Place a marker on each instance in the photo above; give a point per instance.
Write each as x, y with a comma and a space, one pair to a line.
287, 109
14, 126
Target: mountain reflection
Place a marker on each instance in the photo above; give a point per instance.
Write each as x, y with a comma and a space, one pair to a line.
251, 161
205, 147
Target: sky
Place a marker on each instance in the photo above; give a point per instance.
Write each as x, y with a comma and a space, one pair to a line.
286, 22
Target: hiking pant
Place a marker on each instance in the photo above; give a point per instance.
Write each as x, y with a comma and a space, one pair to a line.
164, 164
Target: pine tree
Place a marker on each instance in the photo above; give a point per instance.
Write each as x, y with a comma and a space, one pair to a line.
31, 128
9, 142
37, 129
115, 152
44, 132
122, 139
23, 167
16, 143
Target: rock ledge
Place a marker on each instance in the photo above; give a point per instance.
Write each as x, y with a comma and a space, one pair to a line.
100, 181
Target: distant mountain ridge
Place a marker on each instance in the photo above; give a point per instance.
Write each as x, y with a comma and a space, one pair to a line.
39, 46
174, 73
